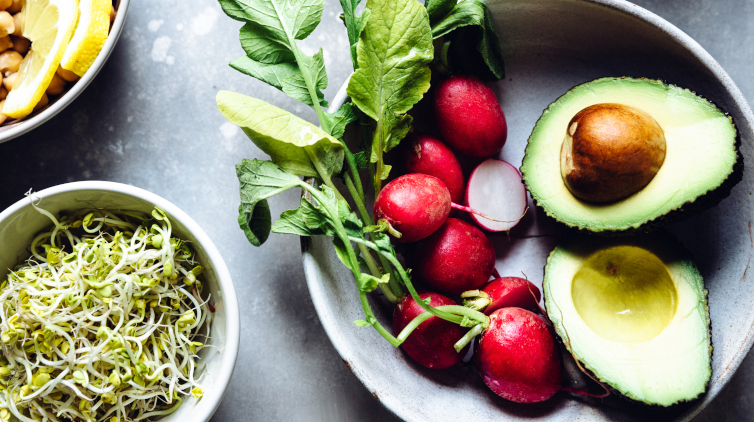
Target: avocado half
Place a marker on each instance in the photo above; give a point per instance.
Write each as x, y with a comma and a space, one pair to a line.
633, 311
702, 161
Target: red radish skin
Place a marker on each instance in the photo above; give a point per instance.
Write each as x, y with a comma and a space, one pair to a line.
431, 343
428, 155
509, 292
517, 357
495, 188
469, 116
455, 258
414, 204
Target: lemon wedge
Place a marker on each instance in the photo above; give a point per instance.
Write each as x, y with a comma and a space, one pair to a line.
90, 36
49, 25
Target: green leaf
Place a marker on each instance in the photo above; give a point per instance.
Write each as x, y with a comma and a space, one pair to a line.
259, 181
271, 74
361, 160
269, 38
362, 323
473, 13
394, 52
351, 222
277, 19
437, 9
354, 25
292, 222
368, 283
340, 119
255, 220
291, 142
295, 85
264, 50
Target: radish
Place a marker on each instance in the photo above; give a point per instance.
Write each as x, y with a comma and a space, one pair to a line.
504, 292
431, 343
428, 155
469, 116
517, 357
495, 189
413, 206
455, 258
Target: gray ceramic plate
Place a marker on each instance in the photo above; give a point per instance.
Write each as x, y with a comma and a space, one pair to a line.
550, 46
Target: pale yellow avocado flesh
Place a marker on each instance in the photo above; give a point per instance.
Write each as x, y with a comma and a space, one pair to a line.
700, 155
634, 312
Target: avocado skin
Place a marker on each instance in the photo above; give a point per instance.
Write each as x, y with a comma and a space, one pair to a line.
689, 209
670, 239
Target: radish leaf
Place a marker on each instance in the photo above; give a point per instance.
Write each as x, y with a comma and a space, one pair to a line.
471, 13
291, 142
394, 52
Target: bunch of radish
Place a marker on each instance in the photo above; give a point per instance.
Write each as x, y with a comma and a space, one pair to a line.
516, 352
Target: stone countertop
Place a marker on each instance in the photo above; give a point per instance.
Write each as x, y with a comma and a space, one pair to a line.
149, 119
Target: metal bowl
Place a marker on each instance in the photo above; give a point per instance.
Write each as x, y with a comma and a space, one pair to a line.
551, 46
36, 119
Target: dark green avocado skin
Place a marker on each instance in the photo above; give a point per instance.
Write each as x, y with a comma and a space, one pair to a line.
691, 208
646, 409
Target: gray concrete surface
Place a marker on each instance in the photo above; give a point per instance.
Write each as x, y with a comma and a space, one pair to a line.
149, 119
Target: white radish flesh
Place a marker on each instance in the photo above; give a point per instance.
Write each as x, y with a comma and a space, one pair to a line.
495, 188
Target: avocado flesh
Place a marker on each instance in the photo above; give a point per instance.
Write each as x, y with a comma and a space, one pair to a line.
701, 153
634, 312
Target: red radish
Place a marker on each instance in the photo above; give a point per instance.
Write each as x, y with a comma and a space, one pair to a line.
431, 343
517, 357
469, 116
414, 204
495, 189
428, 155
455, 258
509, 292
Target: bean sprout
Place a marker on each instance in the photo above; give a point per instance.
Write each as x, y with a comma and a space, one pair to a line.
103, 322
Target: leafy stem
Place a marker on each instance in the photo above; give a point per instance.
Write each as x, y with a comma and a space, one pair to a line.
470, 313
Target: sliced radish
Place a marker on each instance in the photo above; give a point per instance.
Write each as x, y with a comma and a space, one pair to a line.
495, 188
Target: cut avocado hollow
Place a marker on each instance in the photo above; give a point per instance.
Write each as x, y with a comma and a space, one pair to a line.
633, 311
702, 162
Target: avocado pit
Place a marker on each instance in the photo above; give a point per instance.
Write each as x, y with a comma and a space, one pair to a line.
610, 152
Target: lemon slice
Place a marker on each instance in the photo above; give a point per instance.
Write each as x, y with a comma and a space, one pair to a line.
49, 24
90, 36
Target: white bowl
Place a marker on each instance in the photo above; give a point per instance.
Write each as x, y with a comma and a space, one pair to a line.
36, 119
551, 46
19, 223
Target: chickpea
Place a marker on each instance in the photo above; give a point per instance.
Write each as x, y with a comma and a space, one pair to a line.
5, 43
3, 117
10, 80
42, 102
7, 24
21, 45
67, 75
18, 20
10, 61
4, 4
3, 93
112, 13
57, 85
16, 6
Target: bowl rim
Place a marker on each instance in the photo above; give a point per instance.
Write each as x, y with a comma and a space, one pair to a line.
25, 126
229, 354
697, 51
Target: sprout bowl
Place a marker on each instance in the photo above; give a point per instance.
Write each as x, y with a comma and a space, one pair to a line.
20, 223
